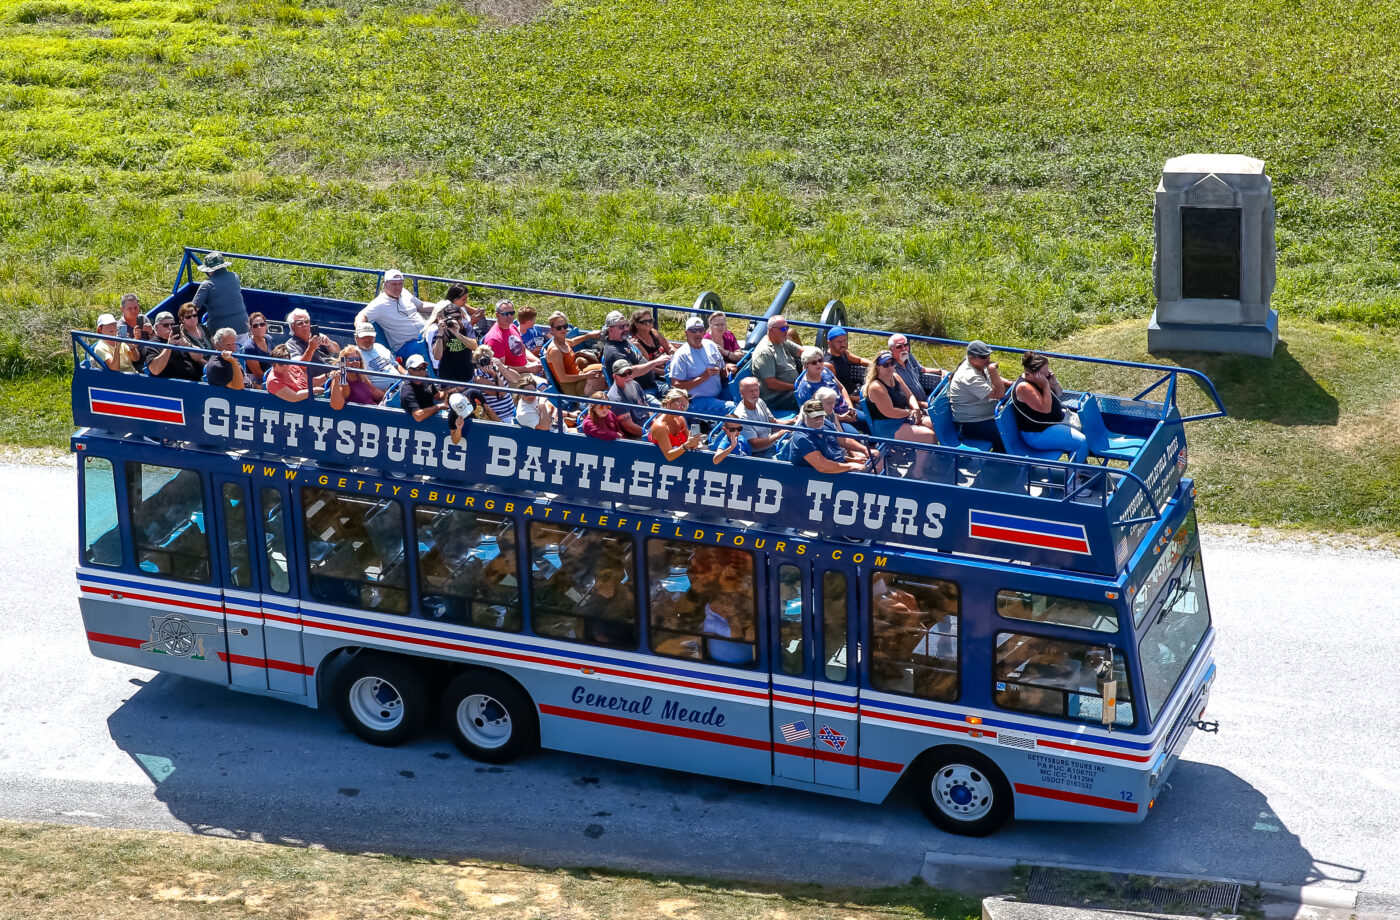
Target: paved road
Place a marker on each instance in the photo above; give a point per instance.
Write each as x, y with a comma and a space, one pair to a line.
1300, 785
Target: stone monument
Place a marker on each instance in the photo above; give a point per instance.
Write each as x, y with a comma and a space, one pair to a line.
1213, 263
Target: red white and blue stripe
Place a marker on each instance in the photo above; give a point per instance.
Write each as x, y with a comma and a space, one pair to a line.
1024, 531
138, 406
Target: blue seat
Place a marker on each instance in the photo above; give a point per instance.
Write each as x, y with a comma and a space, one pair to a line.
1101, 443
1011, 435
941, 414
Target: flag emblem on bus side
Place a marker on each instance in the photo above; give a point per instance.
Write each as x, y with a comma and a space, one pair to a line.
1024, 531
832, 737
123, 404
794, 732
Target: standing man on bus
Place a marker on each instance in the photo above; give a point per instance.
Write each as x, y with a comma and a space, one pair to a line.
401, 315
698, 368
220, 296
776, 364
974, 392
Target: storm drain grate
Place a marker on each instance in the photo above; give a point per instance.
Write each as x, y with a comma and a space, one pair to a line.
1070, 888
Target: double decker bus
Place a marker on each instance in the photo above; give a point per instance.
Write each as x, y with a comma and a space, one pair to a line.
1009, 635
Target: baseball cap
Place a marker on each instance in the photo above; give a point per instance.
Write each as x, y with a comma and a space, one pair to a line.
835, 332
458, 403
393, 274
978, 349
165, 316
364, 329
620, 365
884, 358
106, 319
694, 323
416, 361
615, 318
813, 407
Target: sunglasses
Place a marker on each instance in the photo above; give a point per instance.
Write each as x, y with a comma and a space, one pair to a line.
301, 322
814, 361
728, 430
781, 328
259, 325
885, 362
900, 345
645, 322
506, 313
165, 323
559, 328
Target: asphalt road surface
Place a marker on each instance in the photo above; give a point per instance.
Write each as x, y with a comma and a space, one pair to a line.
1300, 786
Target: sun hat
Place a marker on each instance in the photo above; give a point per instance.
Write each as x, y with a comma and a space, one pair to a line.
213, 262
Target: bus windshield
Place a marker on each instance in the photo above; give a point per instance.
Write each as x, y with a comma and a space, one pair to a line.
1175, 634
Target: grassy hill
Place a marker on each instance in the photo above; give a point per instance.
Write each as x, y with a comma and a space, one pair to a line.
960, 168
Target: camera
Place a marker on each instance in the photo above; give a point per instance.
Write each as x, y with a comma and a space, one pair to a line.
483, 360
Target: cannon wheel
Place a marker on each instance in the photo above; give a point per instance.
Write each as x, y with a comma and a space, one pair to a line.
833, 315
176, 636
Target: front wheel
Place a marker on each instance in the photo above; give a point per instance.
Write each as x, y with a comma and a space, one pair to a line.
964, 793
489, 717
381, 699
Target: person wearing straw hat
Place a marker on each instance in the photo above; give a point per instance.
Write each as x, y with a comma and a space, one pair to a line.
220, 296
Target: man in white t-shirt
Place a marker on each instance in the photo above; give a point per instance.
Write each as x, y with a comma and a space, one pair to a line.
401, 315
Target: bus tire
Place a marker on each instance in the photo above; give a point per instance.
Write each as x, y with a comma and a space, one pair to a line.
382, 699
489, 717
963, 792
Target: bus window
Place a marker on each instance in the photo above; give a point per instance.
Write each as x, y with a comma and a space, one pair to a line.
1061, 611
240, 564
1171, 641
914, 635
834, 625
1182, 542
794, 655
354, 550
582, 584
102, 540
467, 567
167, 521
702, 602
275, 533
1057, 678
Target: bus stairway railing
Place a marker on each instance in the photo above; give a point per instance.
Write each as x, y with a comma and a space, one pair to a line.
1061, 481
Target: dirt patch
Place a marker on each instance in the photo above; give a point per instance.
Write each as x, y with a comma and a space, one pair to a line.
1356, 430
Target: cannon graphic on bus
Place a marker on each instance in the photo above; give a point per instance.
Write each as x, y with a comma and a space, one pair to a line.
177, 635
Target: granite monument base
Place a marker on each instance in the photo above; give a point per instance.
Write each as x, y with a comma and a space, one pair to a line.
1251, 339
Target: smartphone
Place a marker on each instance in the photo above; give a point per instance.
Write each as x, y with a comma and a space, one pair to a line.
315, 330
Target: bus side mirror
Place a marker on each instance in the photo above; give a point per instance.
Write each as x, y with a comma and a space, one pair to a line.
1108, 692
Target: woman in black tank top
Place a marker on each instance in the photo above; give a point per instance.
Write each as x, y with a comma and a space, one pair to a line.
1040, 416
895, 412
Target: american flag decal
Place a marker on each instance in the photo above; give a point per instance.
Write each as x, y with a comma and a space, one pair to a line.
138, 406
832, 737
794, 732
1024, 531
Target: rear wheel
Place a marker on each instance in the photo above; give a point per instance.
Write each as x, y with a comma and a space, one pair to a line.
381, 699
964, 793
489, 717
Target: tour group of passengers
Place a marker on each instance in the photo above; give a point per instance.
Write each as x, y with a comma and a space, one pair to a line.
450, 356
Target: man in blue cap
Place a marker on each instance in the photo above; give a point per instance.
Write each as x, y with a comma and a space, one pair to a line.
842, 362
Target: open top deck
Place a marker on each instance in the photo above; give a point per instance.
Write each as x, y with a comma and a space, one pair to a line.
1028, 511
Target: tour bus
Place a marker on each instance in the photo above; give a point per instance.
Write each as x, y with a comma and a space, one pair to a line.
1004, 636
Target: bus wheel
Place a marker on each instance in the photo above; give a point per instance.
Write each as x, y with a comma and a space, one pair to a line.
489, 717
964, 793
381, 699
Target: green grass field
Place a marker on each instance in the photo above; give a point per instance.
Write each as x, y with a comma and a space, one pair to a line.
959, 168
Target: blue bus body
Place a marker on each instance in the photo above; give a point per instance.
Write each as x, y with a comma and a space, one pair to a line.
973, 629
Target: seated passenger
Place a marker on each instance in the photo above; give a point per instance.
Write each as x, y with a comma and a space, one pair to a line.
505, 342
419, 396
855, 450
1035, 397
758, 419
602, 423
531, 333
722, 619
647, 337
617, 348
299, 321
530, 410
698, 368
719, 334
223, 369
815, 376
348, 385
669, 430
816, 446
627, 393
729, 440
470, 403
190, 333
909, 369
776, 364
398, 312
167, 362
290, 381
895, 412
976, 388
450, 346
490, 372
116, 356
844, 362
256, 345
376, 357
220, 296
563, 363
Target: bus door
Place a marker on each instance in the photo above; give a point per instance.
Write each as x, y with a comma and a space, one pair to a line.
282, 629
243, 619
814, 704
